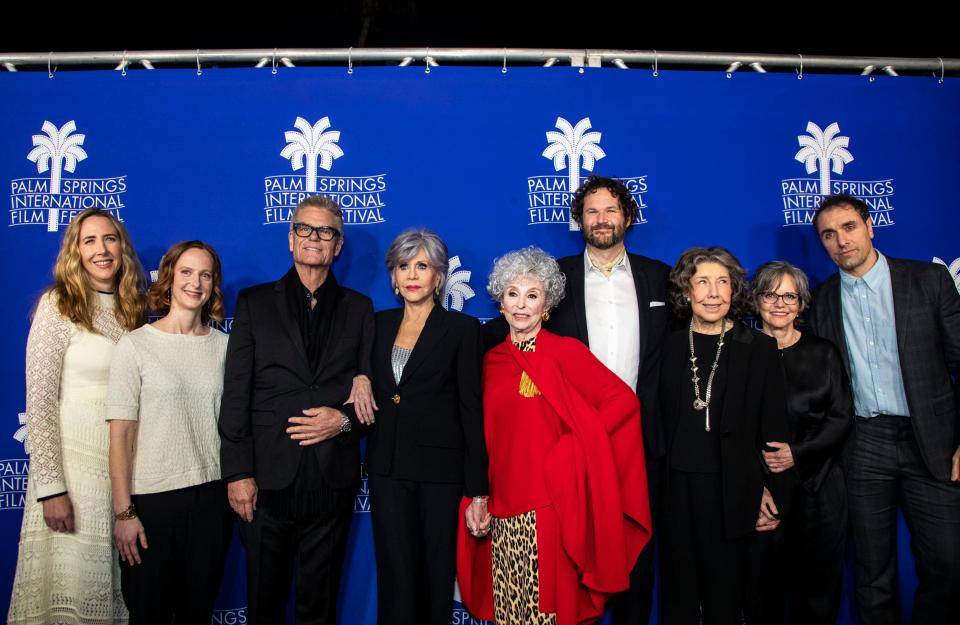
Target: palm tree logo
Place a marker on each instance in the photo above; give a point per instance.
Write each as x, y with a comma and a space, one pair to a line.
57, 151
21, 434
457, 289
954, 269
824, 150
569, 147
313, 145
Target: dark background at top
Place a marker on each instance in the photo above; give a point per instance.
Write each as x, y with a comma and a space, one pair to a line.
791, 28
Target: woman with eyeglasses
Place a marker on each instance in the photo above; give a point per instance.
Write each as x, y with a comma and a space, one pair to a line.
809, 553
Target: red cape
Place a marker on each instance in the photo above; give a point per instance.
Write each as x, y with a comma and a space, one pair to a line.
595, 480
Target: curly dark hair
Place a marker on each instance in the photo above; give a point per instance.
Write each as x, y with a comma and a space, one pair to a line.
687, 266
842, 200
617, 189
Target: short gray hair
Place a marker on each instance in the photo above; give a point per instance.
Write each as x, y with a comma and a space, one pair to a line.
528, 262
411, 241
769, 276
322, 202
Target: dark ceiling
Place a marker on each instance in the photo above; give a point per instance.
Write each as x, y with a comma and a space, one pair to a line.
771, 28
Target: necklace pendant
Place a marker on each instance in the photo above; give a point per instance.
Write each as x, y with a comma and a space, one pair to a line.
699, 404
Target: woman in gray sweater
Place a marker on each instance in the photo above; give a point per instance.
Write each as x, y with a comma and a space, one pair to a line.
166, 379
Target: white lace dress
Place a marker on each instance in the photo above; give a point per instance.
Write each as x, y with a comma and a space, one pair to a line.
68, 578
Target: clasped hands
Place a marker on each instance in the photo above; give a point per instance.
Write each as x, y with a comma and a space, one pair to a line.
478, 518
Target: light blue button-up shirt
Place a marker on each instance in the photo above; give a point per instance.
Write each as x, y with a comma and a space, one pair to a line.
871, 334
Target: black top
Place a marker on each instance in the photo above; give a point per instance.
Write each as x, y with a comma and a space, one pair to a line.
313, 319
819, 406
268, 379
753, 411
694, 449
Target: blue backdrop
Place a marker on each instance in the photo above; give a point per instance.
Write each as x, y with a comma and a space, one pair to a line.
486, 158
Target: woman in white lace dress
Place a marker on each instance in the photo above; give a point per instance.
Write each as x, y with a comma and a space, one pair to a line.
67, 567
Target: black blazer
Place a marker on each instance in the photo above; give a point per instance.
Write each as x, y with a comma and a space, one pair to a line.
430, 426
754, 411
267, 380
927, 314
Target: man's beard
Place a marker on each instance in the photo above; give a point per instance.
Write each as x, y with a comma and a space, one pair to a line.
611, 237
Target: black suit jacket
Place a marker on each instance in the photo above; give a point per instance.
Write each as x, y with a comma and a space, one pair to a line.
267, 380
927, 314
430, 426
754, 411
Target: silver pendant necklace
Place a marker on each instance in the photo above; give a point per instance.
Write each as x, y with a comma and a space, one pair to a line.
701, 404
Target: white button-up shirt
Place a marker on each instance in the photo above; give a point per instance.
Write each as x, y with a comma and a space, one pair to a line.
613, 325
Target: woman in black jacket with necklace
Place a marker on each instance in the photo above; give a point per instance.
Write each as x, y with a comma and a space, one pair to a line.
721, 397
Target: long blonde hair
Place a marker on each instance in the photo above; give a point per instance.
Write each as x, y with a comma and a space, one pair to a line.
71, 285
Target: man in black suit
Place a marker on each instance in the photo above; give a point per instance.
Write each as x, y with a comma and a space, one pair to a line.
897, 323
615, 303
288, 428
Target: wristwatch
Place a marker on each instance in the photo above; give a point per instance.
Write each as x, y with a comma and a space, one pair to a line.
345, 424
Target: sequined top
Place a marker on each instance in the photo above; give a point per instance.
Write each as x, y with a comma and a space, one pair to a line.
398, 360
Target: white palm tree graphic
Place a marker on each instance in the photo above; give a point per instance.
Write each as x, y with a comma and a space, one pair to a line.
311, 143
57, 150
21, 434
457, 289
954, 269
571, 145
824, 150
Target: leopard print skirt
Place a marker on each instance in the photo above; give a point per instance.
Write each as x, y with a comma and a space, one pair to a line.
516, 581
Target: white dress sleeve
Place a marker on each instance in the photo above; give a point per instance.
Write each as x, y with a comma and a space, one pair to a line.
48, 341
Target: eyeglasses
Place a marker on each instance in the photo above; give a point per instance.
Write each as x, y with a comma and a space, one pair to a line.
325, 233
769, 297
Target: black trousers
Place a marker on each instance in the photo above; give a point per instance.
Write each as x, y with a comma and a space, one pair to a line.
701, 569
188, 533
634, 605
415, 538
802, 561
277, 544
886, 472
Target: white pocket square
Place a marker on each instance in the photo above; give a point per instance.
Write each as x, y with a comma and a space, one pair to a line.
656, 304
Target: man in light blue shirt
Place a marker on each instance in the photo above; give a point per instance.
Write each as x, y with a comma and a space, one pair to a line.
897, 324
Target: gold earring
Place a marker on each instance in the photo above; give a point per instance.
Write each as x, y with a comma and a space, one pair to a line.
546, 315
396, 290
502, 311
436, 291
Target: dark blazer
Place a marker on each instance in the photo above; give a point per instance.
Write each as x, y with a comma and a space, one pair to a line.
267, 380
754, 411
927, 313
430, 426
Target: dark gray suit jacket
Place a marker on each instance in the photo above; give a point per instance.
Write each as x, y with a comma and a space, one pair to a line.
927, 313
